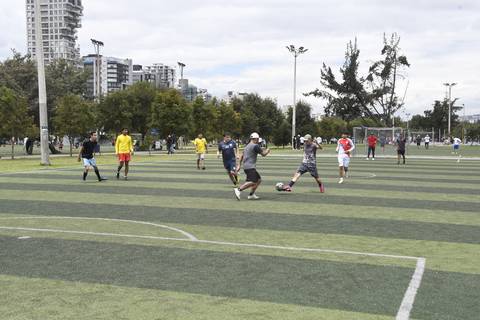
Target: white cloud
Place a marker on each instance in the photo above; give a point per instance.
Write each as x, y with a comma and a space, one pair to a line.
240, 44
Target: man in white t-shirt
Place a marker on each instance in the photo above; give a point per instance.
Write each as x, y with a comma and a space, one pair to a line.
427, 141
456, 145
345, 147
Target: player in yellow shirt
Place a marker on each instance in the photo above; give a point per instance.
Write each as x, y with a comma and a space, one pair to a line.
200, 148
124, 150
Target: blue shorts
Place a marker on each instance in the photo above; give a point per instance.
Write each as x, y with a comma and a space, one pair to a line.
230, 165
89, 162
456, 146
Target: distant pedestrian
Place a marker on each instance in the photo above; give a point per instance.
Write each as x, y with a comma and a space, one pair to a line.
372, 143
401, 142
200, 148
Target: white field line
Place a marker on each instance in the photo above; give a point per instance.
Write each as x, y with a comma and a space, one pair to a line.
186, 234
405, 306
409, 297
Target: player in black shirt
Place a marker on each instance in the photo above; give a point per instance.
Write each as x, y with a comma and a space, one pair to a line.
87, 152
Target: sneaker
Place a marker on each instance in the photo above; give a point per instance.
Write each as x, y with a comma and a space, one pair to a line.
340, 181
203, 168
102, 179
118, 175
287, 188
237, 193
125, 177
253, 197
373, 159
366, 158
322, 188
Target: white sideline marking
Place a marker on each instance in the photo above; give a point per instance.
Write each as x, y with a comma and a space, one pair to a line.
403, 312
23, 238
186, 234
409, 297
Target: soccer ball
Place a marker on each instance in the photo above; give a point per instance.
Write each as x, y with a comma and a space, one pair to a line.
279, 186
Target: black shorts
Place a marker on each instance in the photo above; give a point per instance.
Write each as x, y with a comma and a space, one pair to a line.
401, 152
252, 175
312, 169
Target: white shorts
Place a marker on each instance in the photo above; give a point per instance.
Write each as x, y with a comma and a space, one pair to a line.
89, 162
343, 161
201, 156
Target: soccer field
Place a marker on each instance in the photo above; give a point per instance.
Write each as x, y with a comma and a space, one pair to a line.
172, 242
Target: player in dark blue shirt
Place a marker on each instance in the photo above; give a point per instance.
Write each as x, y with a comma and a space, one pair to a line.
229, 150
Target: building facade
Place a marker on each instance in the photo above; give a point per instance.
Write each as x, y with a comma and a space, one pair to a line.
115, 74
160, 75
60, 21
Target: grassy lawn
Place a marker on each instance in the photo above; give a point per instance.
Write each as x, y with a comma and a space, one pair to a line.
173, 243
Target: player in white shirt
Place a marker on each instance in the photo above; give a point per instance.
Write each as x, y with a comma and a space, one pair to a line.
456, 145
345, 147
427, 141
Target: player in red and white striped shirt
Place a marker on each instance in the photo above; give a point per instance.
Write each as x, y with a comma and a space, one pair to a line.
345, 147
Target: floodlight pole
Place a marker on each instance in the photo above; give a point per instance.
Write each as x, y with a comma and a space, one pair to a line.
97, 88
42, 90
449, 85
296, 53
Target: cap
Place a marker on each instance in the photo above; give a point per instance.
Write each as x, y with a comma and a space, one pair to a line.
308, 137
254, 136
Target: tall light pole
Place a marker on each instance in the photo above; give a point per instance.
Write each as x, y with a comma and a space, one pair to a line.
296, 53
449, 85
97, 89
42, 91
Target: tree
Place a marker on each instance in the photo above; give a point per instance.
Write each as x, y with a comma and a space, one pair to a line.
437, 117
73, 117
170, 113
304, 122
19, 73
62, 78
141, 97
227, 120
373, 96
331, 127
114, 112
14, 118
347, 99
383, 79
282, 134
203, 118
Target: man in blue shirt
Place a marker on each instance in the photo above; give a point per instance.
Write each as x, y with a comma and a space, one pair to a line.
229, 150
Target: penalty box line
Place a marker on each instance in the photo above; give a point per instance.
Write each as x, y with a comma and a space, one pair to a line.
405, 306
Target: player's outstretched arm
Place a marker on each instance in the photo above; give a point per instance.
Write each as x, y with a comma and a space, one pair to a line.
265, 152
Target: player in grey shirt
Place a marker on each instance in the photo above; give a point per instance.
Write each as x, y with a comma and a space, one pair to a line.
249, 160
309, 164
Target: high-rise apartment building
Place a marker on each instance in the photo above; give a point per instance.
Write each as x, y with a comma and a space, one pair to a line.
60, 21
160, 75
115, 74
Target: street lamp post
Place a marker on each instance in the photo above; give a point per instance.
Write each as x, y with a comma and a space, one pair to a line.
97, 90
449, 85
42, 91
296, 53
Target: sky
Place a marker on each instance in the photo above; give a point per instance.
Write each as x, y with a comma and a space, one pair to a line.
239, 45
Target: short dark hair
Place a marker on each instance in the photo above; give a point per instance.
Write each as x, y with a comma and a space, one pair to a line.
123, 129
227, 134
92, 132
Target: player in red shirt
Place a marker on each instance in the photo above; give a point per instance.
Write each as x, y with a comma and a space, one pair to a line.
372, 143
